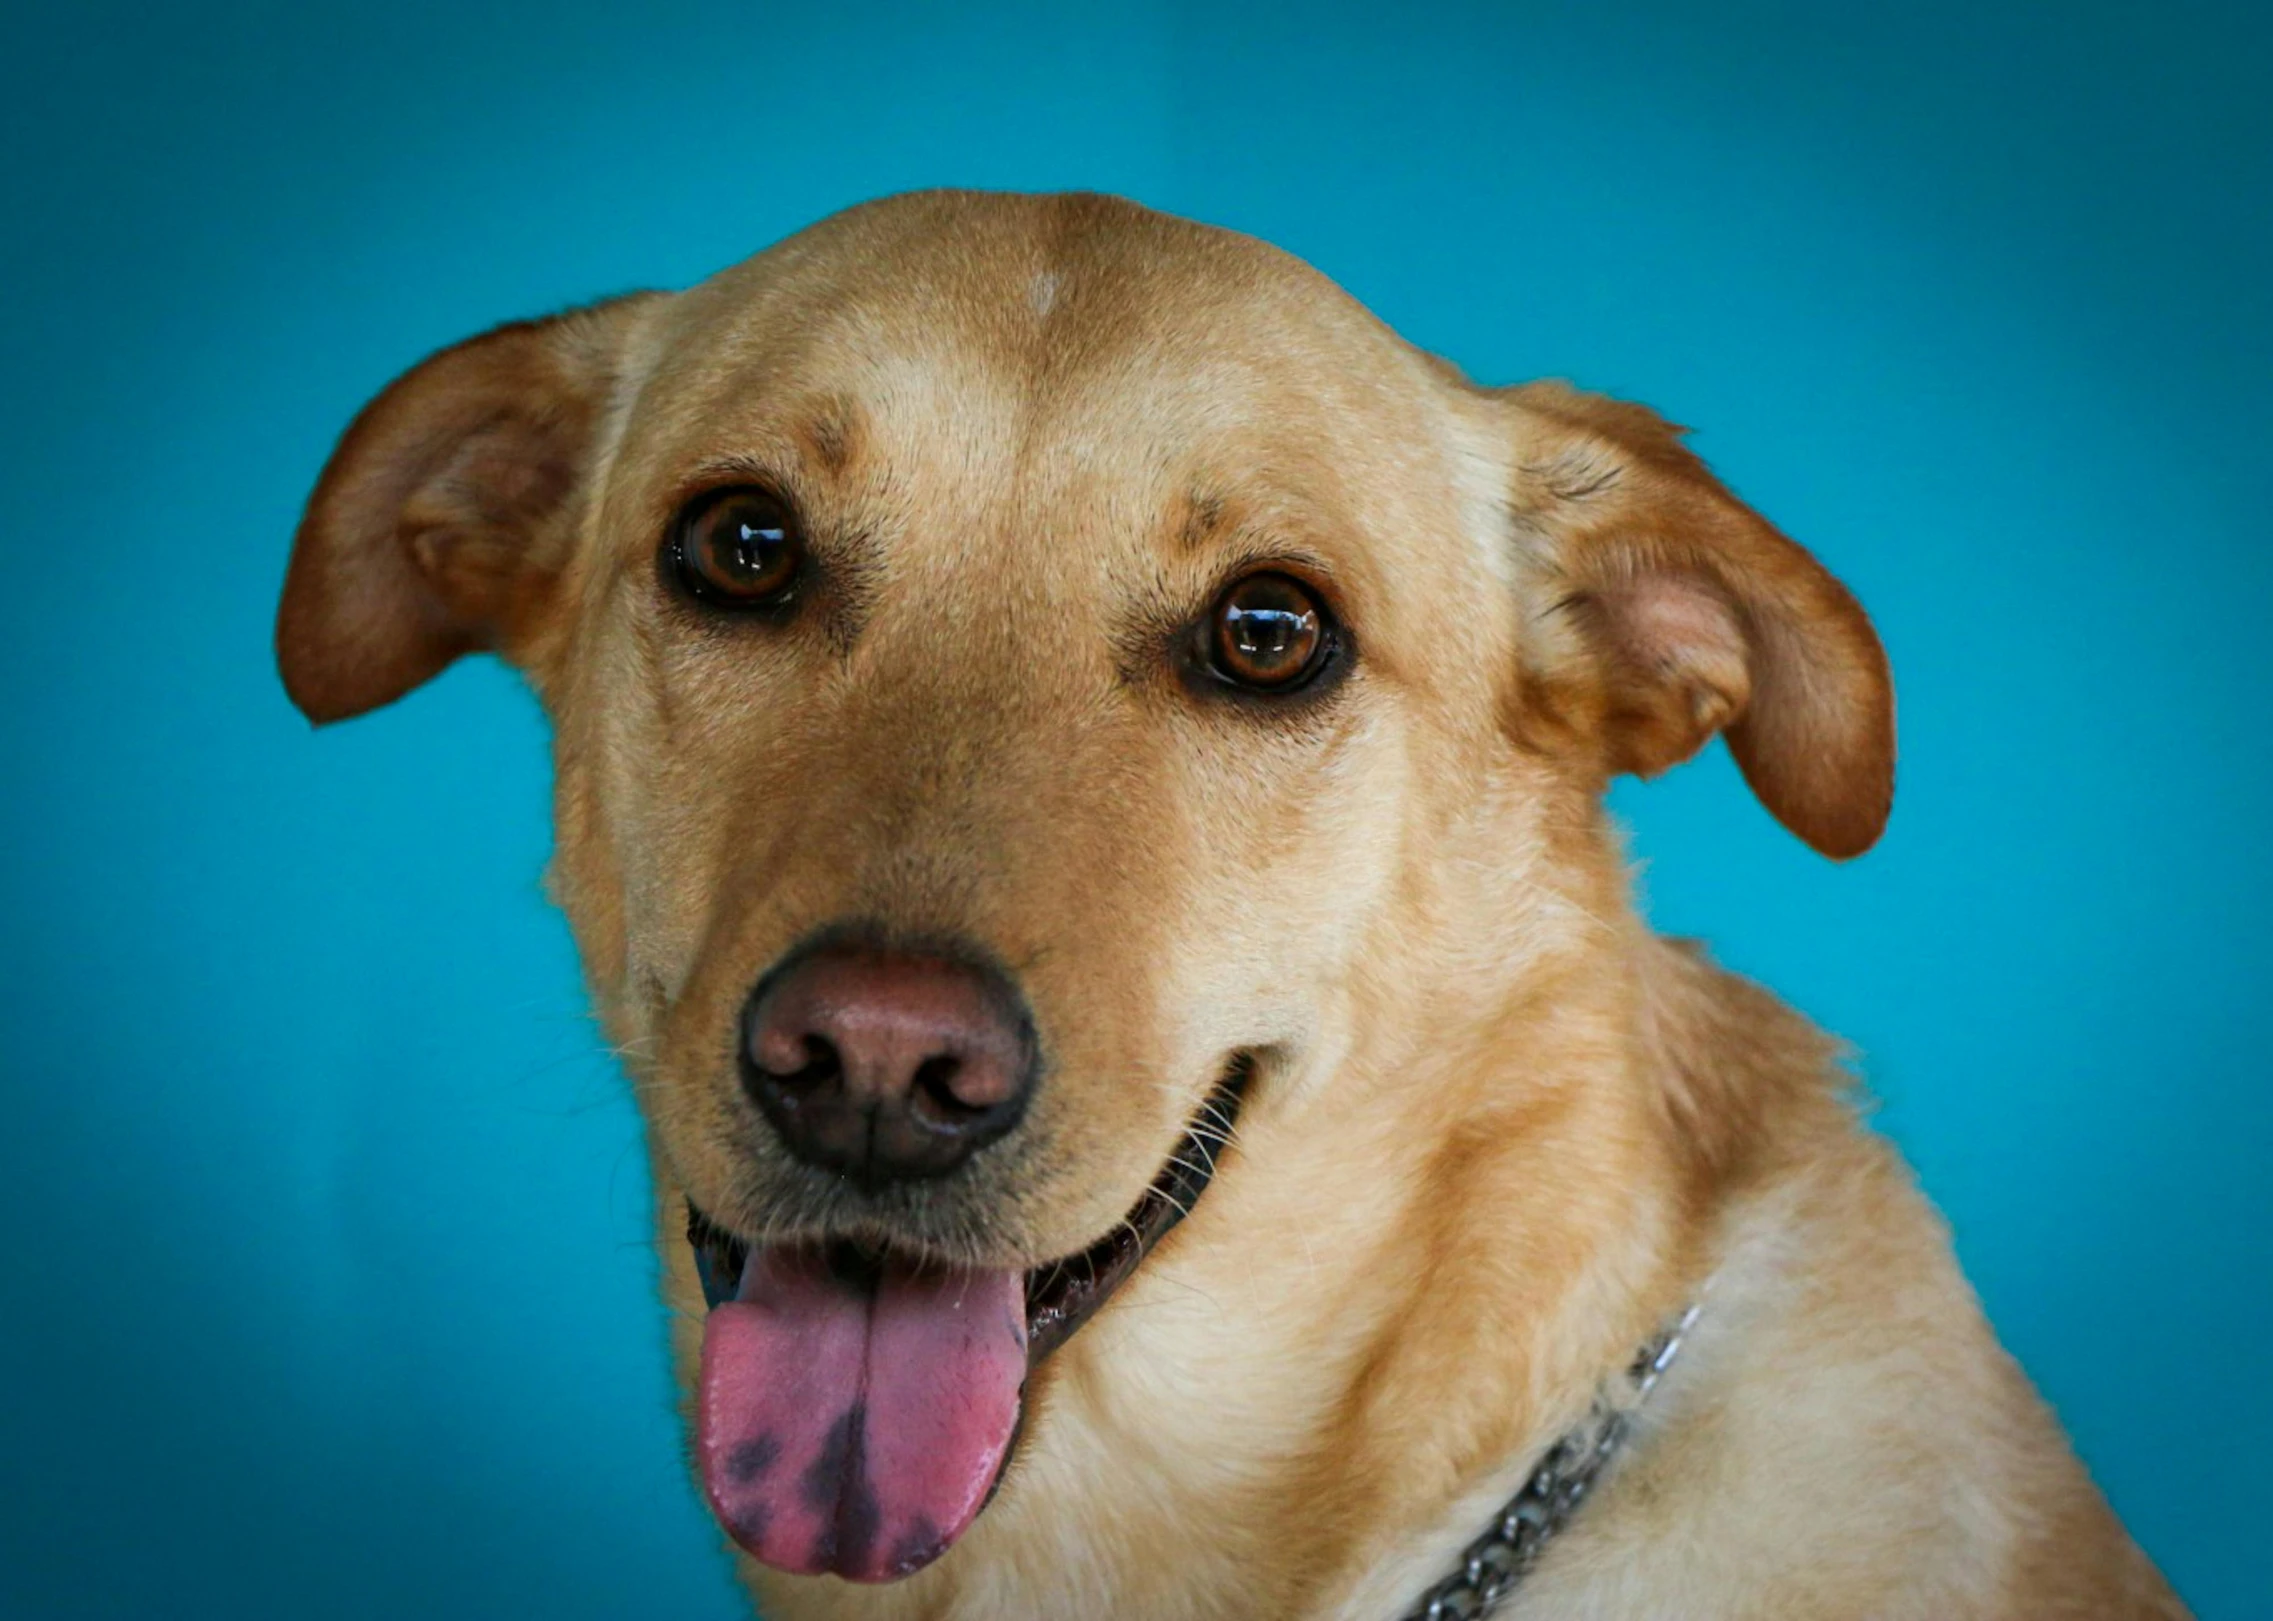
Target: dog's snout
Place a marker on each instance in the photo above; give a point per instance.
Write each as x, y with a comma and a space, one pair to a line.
886, 1066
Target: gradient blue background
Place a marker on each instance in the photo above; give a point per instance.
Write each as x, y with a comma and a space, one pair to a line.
328, 1281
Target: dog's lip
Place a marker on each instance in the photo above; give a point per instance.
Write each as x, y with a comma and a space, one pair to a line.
1063, 1294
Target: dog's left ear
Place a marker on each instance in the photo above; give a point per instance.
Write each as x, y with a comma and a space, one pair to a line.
446, 515
1668, 611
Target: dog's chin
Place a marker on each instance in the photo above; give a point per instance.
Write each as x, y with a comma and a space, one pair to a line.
860, 1399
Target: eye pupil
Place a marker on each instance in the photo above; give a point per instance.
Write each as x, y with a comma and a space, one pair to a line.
740, 548
1268, 633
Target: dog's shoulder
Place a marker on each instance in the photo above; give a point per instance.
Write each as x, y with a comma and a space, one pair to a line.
1843, 1424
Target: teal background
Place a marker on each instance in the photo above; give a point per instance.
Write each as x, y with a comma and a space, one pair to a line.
328, 1283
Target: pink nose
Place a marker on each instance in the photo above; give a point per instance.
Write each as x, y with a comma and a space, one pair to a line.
886, 1066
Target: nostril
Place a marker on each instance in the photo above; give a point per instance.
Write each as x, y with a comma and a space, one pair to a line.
934, 1090
823, 1064
802, 1061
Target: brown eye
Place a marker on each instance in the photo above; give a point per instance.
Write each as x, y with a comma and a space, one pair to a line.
740, 549
1267, 632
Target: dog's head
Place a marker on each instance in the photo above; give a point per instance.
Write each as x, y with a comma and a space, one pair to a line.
1027, 671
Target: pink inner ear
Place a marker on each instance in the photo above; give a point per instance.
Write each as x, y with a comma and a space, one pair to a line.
1681, 667
1668, 620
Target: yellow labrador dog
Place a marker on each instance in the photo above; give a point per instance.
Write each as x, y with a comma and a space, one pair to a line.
1080, 765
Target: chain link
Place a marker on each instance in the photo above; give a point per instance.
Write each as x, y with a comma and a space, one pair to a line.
1492, 1565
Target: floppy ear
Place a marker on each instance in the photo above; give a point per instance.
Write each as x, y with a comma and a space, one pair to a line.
444, 519
1673, 611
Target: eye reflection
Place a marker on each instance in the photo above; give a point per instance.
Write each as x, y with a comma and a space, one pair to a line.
1267, 633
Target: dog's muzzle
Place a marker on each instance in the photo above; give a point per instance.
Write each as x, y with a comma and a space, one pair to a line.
858, 1405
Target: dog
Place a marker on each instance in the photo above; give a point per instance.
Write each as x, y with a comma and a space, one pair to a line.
1080, 762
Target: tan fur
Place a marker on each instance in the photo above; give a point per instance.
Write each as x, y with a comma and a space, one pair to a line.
1498, 1130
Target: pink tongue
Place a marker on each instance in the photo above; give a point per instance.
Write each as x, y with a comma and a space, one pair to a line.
855, 1426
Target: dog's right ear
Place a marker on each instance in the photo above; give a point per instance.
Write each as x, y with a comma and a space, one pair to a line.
445, 517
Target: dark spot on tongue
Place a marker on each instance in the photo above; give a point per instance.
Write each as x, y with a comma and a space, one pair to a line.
840, 1458
922, 1543
836, 1488
749, 1522
750, 1460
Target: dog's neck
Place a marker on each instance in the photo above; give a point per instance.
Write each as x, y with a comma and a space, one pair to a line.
1497, 1560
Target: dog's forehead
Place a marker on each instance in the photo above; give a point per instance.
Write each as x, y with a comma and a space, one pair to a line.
976, 336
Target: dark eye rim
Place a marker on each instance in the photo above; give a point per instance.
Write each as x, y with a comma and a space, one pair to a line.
1328, 663
680, 571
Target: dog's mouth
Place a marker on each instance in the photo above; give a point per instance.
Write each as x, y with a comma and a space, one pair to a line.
858, 1405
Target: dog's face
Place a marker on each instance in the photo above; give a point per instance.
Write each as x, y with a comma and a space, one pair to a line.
1027, 672
1001, 705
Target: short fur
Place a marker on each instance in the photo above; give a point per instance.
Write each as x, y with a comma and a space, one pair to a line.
1498, 1131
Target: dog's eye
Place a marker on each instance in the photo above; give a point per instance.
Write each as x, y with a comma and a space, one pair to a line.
739, 548
1266, 632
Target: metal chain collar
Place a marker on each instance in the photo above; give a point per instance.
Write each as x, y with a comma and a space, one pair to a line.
1495, 1562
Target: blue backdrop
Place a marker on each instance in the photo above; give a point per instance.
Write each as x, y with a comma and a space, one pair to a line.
328, 1286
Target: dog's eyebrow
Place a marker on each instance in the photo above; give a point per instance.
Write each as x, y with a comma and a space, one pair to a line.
814, 438
812, 443
829, 431
1205, 522
1232, 531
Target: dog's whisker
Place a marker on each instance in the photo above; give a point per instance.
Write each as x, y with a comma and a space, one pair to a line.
1220, 1139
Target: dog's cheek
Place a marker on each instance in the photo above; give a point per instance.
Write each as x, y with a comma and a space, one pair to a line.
1303, 847
640, 812
583, 883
